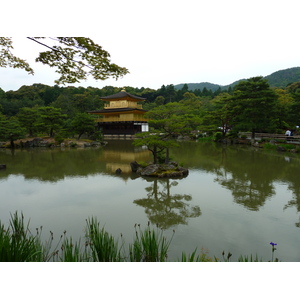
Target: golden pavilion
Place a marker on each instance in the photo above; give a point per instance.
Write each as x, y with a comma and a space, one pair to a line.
123, 114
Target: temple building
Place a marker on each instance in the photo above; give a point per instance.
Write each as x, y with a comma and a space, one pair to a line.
123, 114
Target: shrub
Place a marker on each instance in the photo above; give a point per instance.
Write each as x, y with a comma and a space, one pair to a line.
288, 146
218, 136
233, 134
59, 139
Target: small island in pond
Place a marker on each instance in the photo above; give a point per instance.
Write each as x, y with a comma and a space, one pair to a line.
168, 170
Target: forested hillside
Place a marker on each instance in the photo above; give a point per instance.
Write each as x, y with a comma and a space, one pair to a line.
79, 99
201, 86
72, 100
280, 79
284, 78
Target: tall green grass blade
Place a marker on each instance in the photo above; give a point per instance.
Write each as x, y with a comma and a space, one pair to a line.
194, 257
103, 245
17, 244
149, 245
72, 252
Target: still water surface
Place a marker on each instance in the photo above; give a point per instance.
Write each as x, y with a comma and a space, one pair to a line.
236, 199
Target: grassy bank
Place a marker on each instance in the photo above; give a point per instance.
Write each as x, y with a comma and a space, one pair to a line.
19, 244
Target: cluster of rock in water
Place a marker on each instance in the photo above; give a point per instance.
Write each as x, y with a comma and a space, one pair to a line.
171, 169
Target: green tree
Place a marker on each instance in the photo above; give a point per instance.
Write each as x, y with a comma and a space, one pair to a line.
256, 103
159, 100
25, 96
85, 102
2, 98
10, 130
2, 94
51, 119
28, 119
75, 58
193, 102
182, 91
172, 119
83, 123
170, 93
155, 143
65, 102
30, 95
223, 113
185, 88
294, 109
284, 103
166, 122
50, 94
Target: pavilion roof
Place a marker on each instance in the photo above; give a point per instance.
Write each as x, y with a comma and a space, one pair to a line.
122, 94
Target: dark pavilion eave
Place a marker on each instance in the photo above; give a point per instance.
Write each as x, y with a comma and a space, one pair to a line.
116, 110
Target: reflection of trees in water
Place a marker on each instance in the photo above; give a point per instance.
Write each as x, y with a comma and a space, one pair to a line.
247, 174
249, 191
166, 209
294, 186
52, 165
250, 175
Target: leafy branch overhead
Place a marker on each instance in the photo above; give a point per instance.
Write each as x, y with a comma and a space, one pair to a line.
7, 59
75, 58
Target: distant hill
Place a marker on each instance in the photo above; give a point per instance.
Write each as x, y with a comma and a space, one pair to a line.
280, 78
284, 77
200, 86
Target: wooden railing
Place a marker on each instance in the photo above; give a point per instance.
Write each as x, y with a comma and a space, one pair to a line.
130, 105
275, 136
123, 119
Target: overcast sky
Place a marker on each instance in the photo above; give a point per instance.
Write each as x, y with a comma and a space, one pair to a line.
162, 42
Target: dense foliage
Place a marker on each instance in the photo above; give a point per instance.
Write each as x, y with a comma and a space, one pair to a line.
252, 105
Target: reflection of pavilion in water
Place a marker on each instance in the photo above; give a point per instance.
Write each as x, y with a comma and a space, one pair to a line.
121, 159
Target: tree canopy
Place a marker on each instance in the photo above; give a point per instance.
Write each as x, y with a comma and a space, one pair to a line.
10, 129
255, 104
166, 122
75, 58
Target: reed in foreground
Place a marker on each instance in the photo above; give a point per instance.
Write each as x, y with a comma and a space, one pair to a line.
18, 244
149, 245
103, 246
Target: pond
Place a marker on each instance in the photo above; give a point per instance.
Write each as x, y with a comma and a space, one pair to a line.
235, 199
